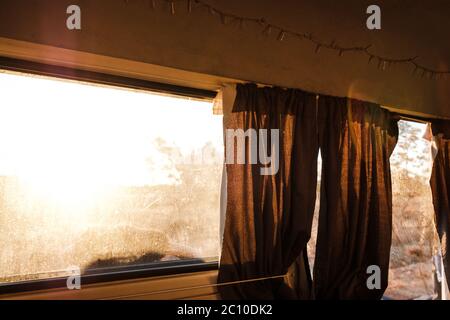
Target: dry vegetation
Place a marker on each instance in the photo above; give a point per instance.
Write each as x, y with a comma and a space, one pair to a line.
135, 225
414, 239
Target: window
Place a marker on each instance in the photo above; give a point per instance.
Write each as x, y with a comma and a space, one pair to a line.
414, 237
101, 177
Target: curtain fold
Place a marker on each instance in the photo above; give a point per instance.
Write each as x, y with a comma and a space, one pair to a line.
269, 217
355, 221
440, 187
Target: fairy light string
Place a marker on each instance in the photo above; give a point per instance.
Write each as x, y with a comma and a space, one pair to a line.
281, 33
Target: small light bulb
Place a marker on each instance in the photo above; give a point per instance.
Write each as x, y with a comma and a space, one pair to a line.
281, 35
317, 48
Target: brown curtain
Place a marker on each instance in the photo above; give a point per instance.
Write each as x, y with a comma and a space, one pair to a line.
356, 141
440, 187
268, 217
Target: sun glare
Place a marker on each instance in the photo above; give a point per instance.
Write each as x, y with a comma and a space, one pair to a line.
71, 143
100, 176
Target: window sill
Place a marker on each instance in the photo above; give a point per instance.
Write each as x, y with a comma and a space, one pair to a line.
170, 268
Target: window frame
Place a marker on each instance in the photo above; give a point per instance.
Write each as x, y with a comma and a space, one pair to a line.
69, 73
118, 273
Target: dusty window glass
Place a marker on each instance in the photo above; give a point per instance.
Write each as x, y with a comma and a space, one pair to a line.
98, 177
414, 239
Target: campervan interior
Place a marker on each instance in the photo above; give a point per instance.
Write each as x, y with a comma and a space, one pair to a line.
212, 149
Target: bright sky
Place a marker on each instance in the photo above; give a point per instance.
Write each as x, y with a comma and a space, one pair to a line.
57, 134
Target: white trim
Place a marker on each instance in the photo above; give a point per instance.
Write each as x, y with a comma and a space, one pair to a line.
100, 63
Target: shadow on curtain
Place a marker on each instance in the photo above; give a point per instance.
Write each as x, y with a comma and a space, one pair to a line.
269, 217
355, 221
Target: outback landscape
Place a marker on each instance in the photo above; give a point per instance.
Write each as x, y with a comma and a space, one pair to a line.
132, 226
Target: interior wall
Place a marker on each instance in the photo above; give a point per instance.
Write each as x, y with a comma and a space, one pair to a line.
199, 42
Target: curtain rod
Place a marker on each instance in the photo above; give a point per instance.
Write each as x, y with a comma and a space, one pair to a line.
418, 117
